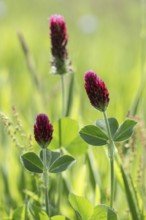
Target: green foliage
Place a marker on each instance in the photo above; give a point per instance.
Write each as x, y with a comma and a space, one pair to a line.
77, 147
98, 135
103, 212
125, 130
61, 164
113, 123
68, 128
51, 157
132, 201
32, 162
69, 131
20, 213
86, 211
124, 72
58, 217
82, 206
55, 162
93, 135
36, 212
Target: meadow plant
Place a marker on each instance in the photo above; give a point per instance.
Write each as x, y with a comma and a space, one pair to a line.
60, 62
59, 40
51, 161
107, 131
43, 131
48, 161
61, 65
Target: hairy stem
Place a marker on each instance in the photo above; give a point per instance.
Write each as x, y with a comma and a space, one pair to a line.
112, 181
59, 176
45, 177
60, 141
111, 147
63, 95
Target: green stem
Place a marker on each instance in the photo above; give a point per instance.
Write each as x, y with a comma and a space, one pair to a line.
45, 177
60, 132
60, 141
70, 95
112, 181
59, 192
63, 95
107, 125
111, 147
59, 176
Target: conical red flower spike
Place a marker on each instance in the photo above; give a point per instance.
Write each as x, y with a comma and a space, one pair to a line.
59, 40
43, 130
96, 91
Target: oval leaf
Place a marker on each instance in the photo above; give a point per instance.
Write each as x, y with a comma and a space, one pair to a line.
93, 135
61, 164
82, 206
65, 131
103, 212
77, 147
113, 123
32, 162
125, 130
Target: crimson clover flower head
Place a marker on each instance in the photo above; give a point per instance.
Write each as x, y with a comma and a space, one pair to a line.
59, 40
43, 130
96, 91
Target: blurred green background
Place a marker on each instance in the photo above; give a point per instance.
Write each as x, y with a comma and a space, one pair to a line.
104, 36
107, 36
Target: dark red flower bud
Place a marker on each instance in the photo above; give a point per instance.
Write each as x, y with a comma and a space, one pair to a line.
96, 91
59, 39
43, 130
